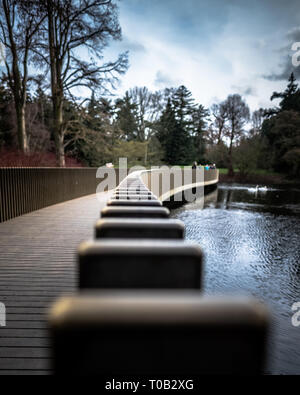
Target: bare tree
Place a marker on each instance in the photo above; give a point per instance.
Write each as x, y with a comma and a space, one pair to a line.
238, 114
149, 107
143, 99
77, 32
220, 118
257, 121
20, 22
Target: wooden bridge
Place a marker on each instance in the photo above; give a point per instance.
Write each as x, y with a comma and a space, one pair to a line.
38, 264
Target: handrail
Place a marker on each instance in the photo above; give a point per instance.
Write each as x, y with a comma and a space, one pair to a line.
23, 190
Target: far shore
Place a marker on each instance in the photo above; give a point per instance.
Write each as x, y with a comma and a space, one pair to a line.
257, 179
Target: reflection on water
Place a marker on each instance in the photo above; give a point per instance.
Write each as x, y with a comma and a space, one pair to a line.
251, 240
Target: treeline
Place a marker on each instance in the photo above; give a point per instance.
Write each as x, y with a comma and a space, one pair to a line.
57, 45
148, 128
271, 143
280, 131
62, 43
165, 127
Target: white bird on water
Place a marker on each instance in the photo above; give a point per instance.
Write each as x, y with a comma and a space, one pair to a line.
258, 189
263, 189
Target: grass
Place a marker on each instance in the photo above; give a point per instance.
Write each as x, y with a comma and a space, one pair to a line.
261, 172
225, 171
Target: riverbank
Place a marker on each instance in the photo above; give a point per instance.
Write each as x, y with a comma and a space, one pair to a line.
259, 178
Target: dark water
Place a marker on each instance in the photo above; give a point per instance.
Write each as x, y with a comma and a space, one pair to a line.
251, 242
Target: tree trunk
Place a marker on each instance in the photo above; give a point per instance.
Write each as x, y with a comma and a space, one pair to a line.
21, 128
220, 136
58, 133
230, 165
232, 135
220, 132
56, 90
16, 84
61, 151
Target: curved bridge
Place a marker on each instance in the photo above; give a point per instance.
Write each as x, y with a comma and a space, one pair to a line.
145, 282
167, 183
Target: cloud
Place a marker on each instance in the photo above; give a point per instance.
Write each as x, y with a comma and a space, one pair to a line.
294, 34
214, 48
132, 46
244, 91
163, 80
287, 69
286, 65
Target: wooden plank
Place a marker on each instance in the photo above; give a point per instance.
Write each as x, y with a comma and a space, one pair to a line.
37, 265
28, 310
28, 372
25, 352
25, 364
26, 324
34, 274
56, 289
29, 293
9, 333
29, 299
25, 342
25, 317
26, 304
25, 280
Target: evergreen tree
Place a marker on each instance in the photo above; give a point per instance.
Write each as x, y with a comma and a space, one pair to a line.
92, 106
180, 149
184, 107
290, 90
126, 118
165, 127
173, 137
281, 131
182, 128
199, 129
290, 97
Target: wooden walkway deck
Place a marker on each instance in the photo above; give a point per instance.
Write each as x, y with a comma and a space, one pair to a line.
38, 264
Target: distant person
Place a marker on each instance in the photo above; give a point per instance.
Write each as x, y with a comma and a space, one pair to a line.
194, 167
109, 165
207, 167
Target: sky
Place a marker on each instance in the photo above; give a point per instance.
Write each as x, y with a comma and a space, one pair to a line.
214, 47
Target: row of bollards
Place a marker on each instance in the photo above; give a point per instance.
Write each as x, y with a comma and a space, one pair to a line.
140, 310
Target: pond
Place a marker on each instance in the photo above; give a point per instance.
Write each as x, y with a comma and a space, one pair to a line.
251, 241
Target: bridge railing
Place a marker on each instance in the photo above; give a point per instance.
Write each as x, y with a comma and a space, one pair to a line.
166, 182
23, 190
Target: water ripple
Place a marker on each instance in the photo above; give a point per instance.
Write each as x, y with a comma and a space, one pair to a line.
251, 246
